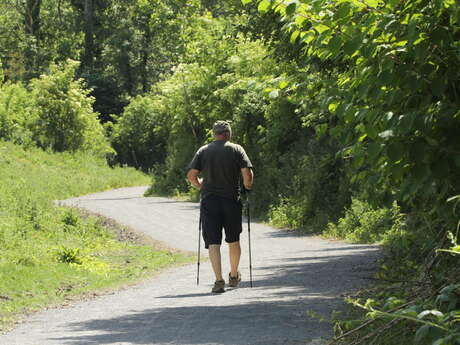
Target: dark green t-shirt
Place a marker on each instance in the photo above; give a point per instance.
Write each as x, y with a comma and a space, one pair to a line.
220, 164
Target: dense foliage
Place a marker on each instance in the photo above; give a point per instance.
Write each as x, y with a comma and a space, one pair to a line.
228, 76
349, 110
367, 107
389, 79
56, 113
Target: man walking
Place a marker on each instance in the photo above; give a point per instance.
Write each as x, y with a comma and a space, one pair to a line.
220, 164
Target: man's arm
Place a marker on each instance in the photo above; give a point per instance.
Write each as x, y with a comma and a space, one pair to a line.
248, 177
192, 176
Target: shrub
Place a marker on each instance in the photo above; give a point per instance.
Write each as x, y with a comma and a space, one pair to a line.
65, 120
364, 224
287, 213
16, 114
139, 135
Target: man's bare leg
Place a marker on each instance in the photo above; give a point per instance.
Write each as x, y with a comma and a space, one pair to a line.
214, 256
235, 254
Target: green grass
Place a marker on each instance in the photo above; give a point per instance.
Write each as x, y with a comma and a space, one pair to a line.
50, 254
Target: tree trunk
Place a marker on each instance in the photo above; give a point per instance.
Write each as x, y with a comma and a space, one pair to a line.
145, 59
32, 18
32, 30
88, 57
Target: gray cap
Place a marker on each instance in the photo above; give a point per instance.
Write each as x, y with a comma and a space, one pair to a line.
221, 127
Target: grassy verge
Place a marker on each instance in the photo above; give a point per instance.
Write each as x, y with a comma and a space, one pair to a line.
51, 254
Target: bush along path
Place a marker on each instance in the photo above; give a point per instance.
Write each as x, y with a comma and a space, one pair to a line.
298, 282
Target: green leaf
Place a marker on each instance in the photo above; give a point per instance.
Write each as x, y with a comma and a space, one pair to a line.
299, 20
357, 3
417, 152
362, 137
421, 172
372, 3
320, 28
374, 150
441, 341
332, 107
291, 8
343, 11
371, 131
439, 86
245, 2
264, 5
335, 132
395, 151
352, 46
283, 84
335, 44
294, 35
308, 36
350, 114
422, 333
321, 129
385, 77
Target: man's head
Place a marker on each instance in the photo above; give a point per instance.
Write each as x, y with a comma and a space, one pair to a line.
222, 130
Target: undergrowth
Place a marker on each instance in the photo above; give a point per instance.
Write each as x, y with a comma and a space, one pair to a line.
416, 295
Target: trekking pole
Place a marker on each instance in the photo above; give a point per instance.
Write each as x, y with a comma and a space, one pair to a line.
249, 240
199, 245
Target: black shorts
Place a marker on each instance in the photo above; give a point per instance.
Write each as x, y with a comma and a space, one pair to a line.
217, 213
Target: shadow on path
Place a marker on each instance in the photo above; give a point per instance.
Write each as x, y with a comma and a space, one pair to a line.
274, 312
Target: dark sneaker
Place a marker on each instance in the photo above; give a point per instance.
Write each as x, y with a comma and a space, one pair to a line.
219, 286
234, 281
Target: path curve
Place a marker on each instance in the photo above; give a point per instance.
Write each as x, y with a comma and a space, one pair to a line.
293, 276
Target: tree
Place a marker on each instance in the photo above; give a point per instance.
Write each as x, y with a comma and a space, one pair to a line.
88, 56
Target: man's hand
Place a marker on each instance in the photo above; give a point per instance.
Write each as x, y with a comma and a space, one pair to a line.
248, 178
192, 176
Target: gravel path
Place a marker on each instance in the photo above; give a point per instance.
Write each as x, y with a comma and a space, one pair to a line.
293, 277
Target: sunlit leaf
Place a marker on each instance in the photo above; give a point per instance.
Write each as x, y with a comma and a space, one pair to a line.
264, 5
283, 84
386, 134
274, 94
320, 28
332, 107
429, 312
294, 35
